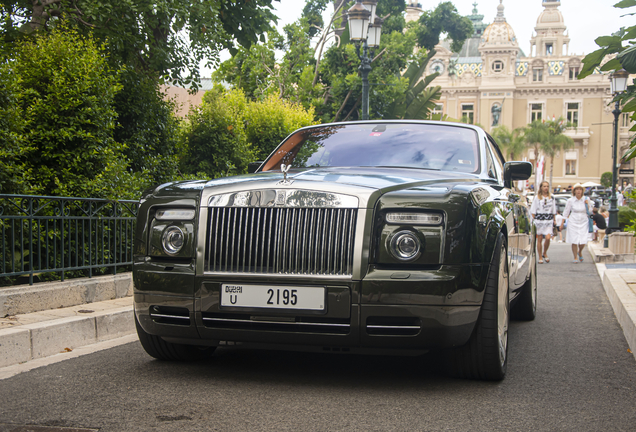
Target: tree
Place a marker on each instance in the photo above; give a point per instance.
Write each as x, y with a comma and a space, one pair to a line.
419, 100
512, 143
228, 131
556, 141
330, 82
443, 19
535, 134
166, 38
66, 99
606, 179
622, 44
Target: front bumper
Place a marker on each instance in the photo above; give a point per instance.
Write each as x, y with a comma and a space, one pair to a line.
413, 310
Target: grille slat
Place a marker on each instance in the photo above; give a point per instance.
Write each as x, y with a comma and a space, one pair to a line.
293, 241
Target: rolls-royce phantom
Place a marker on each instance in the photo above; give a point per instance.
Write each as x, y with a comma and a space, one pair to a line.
400, 236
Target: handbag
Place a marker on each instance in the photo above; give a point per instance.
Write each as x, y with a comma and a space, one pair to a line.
590, 221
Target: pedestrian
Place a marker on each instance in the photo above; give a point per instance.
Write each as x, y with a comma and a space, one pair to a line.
620, 198
543, 210
558, 221
599, 224
578, 210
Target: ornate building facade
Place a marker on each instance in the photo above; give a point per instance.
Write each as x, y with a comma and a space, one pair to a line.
492, 82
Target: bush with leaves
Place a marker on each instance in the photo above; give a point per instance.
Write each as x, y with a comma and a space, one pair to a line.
13, 148
269, 122
214, 139
66, 94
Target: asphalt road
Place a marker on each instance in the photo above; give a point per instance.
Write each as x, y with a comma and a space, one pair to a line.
569, 370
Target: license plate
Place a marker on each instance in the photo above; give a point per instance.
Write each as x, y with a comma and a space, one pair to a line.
272, 297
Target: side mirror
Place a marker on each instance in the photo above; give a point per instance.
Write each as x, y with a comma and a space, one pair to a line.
253, 166
516, 171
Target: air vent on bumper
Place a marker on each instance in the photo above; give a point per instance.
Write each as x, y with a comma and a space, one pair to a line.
170, 315
393, 326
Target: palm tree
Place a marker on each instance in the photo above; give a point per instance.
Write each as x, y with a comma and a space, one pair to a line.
420, 99
511, 142
556, 141
535, 134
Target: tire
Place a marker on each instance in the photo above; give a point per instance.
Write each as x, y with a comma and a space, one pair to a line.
162, 350
525, 308
485, 356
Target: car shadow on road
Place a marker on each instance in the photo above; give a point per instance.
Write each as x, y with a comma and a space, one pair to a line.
328, 370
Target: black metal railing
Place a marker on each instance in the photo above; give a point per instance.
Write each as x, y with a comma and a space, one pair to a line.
42, 234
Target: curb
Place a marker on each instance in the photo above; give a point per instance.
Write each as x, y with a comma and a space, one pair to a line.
26, 299
623, 300
47, 337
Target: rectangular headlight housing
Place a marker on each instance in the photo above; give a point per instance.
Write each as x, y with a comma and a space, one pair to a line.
408, 218
175, 214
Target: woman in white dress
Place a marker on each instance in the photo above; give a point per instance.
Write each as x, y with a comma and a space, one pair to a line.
543, 210
577, 210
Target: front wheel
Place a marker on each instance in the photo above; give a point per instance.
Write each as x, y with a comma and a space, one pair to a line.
162, 350
485, 356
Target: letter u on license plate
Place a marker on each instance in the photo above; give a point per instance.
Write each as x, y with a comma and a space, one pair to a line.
272, 297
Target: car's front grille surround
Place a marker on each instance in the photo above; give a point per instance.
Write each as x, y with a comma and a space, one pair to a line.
293, 241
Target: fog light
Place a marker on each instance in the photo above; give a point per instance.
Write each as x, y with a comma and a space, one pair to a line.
405, 246
173, 240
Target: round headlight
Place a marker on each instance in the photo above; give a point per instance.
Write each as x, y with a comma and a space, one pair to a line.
173, 240
405, 245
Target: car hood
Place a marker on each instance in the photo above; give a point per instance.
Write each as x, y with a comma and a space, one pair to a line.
368, 184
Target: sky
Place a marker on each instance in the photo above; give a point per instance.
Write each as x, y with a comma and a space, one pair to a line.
586, 19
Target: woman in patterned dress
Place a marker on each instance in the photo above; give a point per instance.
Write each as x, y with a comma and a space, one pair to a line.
543, 210
578, 226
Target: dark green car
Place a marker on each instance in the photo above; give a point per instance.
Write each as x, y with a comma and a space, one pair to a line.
400, 236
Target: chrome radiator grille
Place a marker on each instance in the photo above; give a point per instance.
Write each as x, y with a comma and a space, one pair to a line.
296, 241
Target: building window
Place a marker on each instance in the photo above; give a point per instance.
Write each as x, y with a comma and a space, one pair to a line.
536, 112
573, 113
574, 72
549, 49
570, 163
498, 66
537, 74
625, 121
438, 112
468, 113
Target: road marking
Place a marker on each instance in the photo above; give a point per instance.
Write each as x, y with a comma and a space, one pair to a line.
9, 371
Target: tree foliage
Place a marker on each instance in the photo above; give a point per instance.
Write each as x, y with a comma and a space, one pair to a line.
621, 45
228, 131
512, 143
443, 19
330, 82
66, 96
165, 37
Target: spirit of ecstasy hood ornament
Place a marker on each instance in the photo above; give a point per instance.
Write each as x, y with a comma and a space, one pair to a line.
284, 169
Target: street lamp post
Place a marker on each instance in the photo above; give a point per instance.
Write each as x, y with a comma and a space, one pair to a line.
619, 85
364, 30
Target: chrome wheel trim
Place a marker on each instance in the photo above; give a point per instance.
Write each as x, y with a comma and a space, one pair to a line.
503, 307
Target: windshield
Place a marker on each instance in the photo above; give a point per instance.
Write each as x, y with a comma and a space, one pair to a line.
426, 146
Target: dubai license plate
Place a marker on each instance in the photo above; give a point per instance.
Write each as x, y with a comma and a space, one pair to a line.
272, 297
